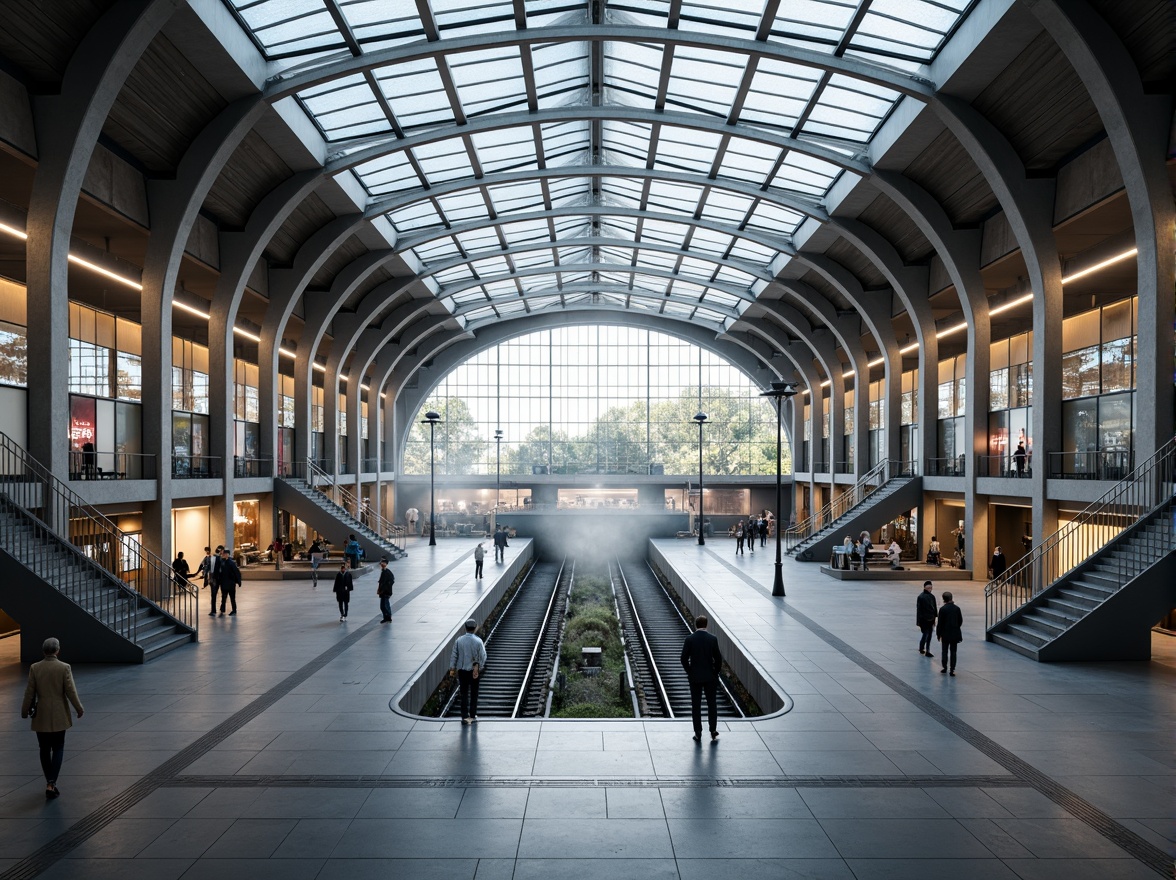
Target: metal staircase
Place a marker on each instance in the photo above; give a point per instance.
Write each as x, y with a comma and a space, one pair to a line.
68, 571
308, 495
1093, 590
893, 485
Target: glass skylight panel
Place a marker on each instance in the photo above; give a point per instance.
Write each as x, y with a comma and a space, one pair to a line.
752, 252
748, 160
444, 160
850, 109
657, 260
726, 207
686, 148
463, 205
564, 140
674, 196
631, 72
622, 191
738, 17
736, 278
704, 314
561, 71
489, 265
510, 307
480, 314
489, 80
677, 310
659, 230
626, 139
458, 16
415, 92
289, 26
779, 91
911, 28
517, 198
543, 302
721, 298
453, 275
415, 216
805, 174
372, 21
387, 174
570, 191
478, 239
434, 251
466, 297
774, 219
705, 80
693, 267
819, 24
505, 149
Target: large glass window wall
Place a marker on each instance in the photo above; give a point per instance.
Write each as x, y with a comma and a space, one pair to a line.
596, 399
1098, 393
951, 447
105, 355
1010, 396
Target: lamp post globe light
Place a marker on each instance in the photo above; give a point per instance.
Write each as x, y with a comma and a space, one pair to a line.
432, 419
780, 391
700, 418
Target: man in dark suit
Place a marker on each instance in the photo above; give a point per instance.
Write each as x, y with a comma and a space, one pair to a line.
702, 661
949, 630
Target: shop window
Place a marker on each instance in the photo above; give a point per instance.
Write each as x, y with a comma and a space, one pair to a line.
13, 355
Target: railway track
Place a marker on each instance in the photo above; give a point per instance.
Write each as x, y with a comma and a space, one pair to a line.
656, 631
519, 663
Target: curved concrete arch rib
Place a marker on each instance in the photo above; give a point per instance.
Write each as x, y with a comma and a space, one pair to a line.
747, 361
285, 85
68, 125
1137, 125
816, 339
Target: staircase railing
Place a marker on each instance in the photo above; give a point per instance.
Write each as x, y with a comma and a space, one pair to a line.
1147, 489
349, 505
57, 513
873, 480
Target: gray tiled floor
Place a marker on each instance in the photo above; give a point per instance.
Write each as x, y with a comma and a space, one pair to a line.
411, 798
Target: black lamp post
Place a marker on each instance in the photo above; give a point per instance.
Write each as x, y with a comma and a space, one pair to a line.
780, 391
432, 419
498, 467
700, 418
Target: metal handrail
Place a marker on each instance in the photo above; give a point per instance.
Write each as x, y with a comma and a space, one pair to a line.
873, 480
349, 505
48, 515
1148, 489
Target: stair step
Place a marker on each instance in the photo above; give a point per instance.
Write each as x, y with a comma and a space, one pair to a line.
1081, 600
1063, 618
1029, 633
178, 640
1101, 578
1015, 643
1098, 591
1065, 606
1045, 623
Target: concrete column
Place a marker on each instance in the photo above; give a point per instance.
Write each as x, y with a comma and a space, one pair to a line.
68, 125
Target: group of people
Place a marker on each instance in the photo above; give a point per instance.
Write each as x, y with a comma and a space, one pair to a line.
746, 533
344, 586
856, 551
220, 574
500, 545
947, 623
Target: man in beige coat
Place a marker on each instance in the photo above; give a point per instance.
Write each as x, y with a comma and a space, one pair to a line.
51, 684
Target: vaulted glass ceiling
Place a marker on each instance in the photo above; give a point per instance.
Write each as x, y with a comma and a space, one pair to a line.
655, 155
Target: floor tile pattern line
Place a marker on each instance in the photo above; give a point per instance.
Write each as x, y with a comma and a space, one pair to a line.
1077, 806
87, 827
382, 782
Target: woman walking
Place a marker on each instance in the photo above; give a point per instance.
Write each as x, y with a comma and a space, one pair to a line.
343, 587
47, 699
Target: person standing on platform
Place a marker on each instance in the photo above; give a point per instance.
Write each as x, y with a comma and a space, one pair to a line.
209, 567
228, 578
763, 529
466, 661
316, 559
926, 610
739, 534
847, 551
999, 563
277, 551
479, 558
181, 569
500, 544
342, 589
411, 516
703, 662
351, 551
749, 533
1019, 459
47, 699
384, 590
949, 631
